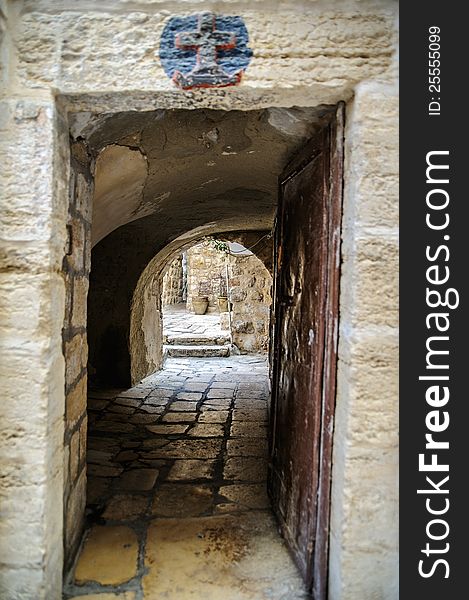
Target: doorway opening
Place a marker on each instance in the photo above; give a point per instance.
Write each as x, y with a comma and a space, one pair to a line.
216, 301
180, 446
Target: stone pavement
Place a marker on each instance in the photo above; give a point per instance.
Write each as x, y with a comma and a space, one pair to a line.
177, 321
187, 334
177, 503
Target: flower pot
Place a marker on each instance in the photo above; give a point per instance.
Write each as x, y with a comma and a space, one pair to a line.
222, 304
200, 305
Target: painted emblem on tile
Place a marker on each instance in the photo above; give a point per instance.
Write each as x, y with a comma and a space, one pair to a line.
205, 50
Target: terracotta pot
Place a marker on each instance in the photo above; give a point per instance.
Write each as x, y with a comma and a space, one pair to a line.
222, 304
200, 305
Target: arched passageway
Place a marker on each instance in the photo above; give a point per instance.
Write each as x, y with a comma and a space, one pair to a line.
146, 337
162, 181
175, 176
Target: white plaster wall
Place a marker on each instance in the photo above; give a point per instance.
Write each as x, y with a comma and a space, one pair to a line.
59, 56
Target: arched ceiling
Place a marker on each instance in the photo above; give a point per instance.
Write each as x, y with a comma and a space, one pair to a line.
178, 170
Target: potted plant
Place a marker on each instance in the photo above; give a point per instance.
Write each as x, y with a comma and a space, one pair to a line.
200, 302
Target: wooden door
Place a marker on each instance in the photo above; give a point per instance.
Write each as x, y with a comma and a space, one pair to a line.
306, 280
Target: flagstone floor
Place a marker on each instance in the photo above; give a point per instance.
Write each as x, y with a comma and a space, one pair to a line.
179, 322
177, 503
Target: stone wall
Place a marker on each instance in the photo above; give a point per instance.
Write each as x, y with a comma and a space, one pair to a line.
205, 274
117, 263
173, 283
365, 460
249, 285
146, 328
296, 45
33, 184
250, 294
33, 190
76, 268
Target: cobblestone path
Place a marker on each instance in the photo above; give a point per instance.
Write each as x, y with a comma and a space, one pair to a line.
177, 503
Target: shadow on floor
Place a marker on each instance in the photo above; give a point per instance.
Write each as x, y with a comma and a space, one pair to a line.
177, 501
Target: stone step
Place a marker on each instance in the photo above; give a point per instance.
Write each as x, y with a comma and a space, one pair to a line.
204, 351
192, 339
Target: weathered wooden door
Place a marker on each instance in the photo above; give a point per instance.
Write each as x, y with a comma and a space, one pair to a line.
304, 348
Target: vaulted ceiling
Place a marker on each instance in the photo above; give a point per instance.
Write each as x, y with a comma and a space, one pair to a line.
178, 170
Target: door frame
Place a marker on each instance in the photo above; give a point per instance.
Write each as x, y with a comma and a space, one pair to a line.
335, 171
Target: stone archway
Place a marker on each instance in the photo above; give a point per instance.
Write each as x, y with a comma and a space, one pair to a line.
145, 341
194, 173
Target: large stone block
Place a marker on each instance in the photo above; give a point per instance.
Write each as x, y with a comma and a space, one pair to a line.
74, 455
364, 481
76, 355
321, 31
41, 381
22, 537
371, 157
74, 515
83, 197
23, 463
34, 301
375, 508
370, 282
96, 48
366, 584
76, 258
80, 297
36, 44
32, 215
23, 582
76, 402
24, 494
376, 200
115, 51
22, 293
375, 105
368, 360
